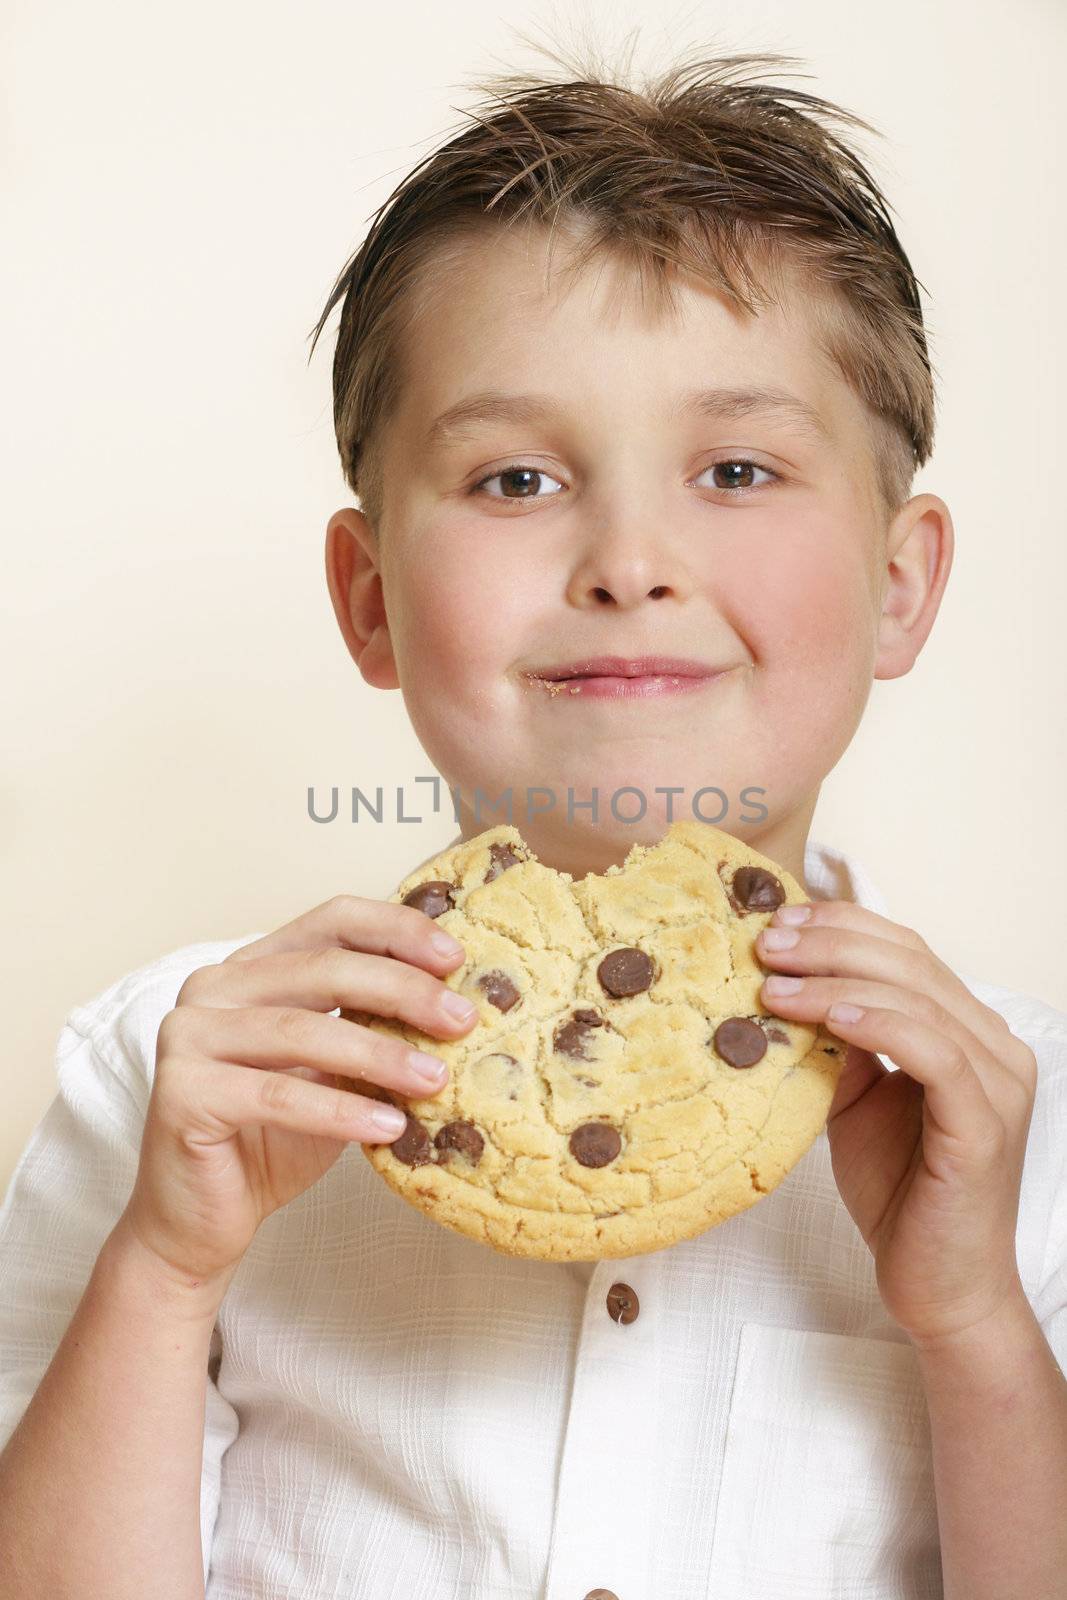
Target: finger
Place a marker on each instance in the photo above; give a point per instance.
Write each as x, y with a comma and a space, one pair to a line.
330, 978
847, 914
845, 939
278, 1037
354, 923
208, 1103
813, 1000
955, 1098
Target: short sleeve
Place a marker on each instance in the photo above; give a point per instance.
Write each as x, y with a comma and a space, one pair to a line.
67, 1192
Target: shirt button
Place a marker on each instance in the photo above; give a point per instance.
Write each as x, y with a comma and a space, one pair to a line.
623, 1306
601, 1594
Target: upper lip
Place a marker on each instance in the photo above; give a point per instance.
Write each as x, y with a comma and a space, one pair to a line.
626, 667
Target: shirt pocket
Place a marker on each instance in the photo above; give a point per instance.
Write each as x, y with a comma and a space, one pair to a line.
827, 1488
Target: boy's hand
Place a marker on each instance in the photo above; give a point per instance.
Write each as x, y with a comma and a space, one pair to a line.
243, 1115
929, 1159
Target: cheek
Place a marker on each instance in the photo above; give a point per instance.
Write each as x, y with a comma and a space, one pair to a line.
812, 614
810, 625
454, 621
460, 624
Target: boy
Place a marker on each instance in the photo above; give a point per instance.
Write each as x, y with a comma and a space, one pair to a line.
231, 1357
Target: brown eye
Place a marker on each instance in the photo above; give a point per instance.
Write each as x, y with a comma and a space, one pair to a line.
738, 475
521, 483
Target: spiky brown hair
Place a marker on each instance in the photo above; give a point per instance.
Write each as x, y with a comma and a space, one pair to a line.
703, 166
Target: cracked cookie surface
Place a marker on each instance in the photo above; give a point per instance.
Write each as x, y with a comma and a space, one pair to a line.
623, 1087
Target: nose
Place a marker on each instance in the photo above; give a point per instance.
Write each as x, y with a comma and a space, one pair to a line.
624, 568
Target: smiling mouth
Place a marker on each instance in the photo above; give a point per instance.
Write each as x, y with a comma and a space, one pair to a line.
618, 667
620, 681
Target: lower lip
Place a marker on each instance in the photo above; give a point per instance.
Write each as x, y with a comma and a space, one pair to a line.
652, 685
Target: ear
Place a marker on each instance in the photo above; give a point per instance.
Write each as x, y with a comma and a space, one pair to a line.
355, 584
919, 548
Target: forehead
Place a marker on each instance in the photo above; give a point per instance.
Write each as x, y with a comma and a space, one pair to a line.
502, 308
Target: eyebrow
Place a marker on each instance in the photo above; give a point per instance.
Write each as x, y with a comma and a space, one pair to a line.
494, 405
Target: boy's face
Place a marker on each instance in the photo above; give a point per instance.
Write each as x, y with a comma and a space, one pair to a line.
623, 534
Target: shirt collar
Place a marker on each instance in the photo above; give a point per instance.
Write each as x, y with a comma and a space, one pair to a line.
832, 875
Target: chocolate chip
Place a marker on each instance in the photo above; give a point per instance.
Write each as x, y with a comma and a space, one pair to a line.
502, 856
594, 1144
461, 1136
432, 897
779, 1035
626, 971
755, 889
499, 989
413, 1146
572, 1038
623, 1304
740, 1042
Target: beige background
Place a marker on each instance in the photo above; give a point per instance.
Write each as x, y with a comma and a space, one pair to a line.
180, 192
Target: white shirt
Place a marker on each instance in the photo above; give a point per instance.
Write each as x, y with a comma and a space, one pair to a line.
397, 1410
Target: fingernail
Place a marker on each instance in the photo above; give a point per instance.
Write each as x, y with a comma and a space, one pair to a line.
793, 914
782, 985
445, 945
457, 1006
842, 1012
431, 1069
780, 938
389, 1119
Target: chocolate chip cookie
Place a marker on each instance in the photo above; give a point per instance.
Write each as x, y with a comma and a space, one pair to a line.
623, 1087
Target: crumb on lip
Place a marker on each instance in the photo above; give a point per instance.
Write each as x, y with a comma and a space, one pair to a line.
557, 686
552, 686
